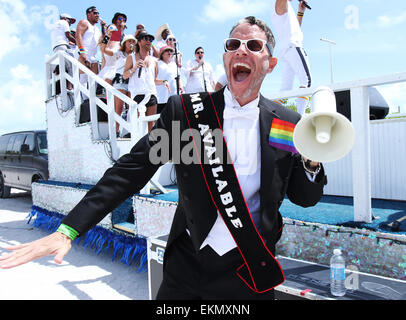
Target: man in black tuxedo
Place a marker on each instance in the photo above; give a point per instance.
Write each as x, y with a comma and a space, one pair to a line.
223, 236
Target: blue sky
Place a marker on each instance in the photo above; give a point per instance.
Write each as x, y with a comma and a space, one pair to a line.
370, 36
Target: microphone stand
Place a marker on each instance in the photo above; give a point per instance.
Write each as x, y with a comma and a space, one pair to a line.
177, 69
204, 78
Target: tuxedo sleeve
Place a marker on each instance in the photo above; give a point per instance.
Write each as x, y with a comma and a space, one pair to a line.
301, 190
126, 178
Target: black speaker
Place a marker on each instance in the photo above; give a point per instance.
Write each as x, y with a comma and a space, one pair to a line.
85, 112
378, 109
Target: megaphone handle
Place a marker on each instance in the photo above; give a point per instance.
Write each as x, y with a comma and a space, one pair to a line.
312, 169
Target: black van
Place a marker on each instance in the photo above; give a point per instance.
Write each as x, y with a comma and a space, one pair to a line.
23, 160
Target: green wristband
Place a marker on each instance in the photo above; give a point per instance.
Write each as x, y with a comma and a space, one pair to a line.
68, 231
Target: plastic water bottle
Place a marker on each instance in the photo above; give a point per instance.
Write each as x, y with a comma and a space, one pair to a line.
337, 274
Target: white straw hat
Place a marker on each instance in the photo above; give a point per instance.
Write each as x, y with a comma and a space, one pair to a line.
158, 34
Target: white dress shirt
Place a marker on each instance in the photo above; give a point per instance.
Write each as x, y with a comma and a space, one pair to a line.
242, 134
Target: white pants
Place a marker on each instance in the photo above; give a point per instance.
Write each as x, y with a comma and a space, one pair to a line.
296, 63
68, 64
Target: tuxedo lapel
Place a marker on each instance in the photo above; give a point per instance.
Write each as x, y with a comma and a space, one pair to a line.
266, 117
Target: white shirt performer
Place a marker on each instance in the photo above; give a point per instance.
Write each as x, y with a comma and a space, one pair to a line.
287, 27
87, 39
62, 39
199, 74
60, 34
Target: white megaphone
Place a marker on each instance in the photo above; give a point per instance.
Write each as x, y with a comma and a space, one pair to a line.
324, 135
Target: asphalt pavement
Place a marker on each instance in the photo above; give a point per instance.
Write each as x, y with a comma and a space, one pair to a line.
82, 276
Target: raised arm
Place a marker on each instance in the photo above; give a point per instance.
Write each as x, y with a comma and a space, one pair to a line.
129, 175
300, 13
281, 6
128, 68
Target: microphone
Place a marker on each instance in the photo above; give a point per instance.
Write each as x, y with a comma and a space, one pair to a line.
305, 4
139, 72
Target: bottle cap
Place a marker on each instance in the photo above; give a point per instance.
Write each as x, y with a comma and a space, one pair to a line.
337, 252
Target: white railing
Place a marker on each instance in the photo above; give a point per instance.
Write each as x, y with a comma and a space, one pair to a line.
361, 154
137, 126
136, 123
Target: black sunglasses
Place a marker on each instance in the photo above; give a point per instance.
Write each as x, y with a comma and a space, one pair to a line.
147, 38
122, 19
253, 45
200, 52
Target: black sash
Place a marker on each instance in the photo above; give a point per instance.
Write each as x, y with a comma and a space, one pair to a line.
260, 271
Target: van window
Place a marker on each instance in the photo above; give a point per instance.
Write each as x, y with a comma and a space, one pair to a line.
29, 139
42, 143
3, 144
17, 143
9, 150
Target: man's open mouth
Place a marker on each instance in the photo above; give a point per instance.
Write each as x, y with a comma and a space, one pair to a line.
241, 71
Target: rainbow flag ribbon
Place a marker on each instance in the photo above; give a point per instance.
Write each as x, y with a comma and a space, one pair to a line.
281, 135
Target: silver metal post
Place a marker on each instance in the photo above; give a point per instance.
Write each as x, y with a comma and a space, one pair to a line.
330, 43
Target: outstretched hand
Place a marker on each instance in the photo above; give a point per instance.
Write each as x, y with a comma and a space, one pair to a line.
55, 244
302, 7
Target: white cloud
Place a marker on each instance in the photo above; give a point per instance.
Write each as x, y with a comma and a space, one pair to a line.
218, 71
218, 11
22, 101
22, 96
18, 24
390, 21
20, 72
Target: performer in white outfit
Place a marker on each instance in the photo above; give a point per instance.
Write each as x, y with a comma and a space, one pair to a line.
60, 35
142, 69
161, 35
87, 39
199, 74
113, 70
111, 47
62, 38
167, 73
287, 27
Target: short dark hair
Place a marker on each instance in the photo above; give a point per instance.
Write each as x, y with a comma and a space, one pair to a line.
90, 9
261, 24
198, 49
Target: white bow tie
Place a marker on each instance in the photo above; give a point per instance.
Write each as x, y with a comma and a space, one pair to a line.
239, 113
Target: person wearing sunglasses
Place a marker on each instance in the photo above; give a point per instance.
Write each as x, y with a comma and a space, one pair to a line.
287, 25
177, 56
118, 24
110, 46
223, 236
141, 69
167, 73
112, 72
199, 74
87, 39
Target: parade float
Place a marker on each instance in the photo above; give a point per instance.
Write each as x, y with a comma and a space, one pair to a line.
361, 212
